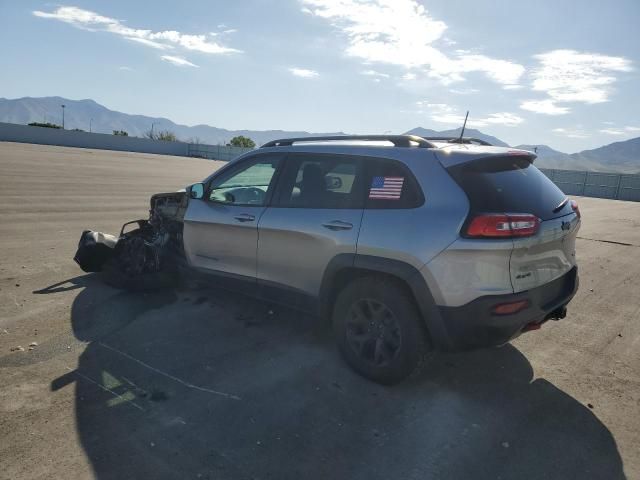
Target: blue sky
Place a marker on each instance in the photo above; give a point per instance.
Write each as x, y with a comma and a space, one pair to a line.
563, 73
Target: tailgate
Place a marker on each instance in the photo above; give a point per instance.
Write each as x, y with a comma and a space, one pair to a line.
547, 255
513, 185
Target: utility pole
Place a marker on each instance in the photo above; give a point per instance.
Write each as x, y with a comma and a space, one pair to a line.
152, 124
90, 122
63, 106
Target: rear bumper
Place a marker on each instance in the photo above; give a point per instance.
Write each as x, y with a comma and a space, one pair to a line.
474, 326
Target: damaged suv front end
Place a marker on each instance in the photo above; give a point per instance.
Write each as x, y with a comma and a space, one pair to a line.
145, 257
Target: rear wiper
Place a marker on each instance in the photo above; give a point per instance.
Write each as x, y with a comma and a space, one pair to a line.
561, 206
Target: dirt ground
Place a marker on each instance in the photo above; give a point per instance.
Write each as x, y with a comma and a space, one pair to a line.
205, 384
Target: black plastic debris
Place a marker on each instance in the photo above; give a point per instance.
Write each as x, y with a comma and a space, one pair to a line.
94, 250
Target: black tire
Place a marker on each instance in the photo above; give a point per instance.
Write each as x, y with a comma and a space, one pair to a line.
393, 344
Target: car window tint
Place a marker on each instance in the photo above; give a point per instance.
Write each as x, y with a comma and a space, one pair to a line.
390, 185
322, 181
247, 186
509, 184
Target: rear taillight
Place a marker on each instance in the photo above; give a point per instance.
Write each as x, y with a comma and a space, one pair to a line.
501, 225
574, 205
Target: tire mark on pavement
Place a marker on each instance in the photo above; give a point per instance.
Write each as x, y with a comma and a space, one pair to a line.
624, 244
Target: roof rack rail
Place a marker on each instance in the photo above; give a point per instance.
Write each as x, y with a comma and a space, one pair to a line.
397, 140
460, 140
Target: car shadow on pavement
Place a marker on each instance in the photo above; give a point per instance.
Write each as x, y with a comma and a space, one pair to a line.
206, 384
66, 285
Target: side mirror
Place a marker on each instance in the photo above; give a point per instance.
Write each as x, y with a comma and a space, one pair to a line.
196, 191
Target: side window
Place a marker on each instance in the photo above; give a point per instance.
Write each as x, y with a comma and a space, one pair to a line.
391, 185
322, 181
247, 185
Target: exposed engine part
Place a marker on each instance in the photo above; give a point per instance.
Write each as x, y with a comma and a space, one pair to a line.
154, 246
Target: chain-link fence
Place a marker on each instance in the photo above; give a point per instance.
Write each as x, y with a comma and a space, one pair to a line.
10, 132
216, 152
596, 184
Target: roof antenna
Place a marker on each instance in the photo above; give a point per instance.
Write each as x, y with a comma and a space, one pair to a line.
463, 127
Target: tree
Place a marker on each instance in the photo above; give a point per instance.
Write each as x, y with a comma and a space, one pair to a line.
120, 133
167, 136
164, 135
47, 125
241, 141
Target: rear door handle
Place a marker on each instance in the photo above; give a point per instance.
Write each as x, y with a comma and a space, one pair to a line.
338, 225
245, 217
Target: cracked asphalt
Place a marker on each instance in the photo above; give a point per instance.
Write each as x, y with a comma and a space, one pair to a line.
200, 383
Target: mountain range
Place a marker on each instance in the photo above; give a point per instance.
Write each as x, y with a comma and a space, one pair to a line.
619, 157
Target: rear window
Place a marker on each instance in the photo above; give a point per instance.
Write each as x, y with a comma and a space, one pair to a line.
509, 184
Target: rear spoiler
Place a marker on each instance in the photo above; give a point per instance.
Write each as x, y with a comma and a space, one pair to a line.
461, 154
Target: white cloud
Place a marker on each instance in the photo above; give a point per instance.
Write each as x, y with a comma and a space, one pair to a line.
571, 76
409, 76
373, 73
434, 108
571, 132
512, 87
164, 40
503, 118
402, 32
546, 106
125, 68
612, 131
443, 113
464, 91
150, 43
619, 131
178, 61
303, 72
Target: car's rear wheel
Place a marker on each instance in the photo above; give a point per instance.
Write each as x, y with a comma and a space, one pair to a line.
378, 329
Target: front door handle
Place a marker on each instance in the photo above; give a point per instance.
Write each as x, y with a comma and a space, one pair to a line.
245, 217
338, 225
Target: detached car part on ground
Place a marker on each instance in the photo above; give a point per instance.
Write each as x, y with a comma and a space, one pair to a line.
411, 246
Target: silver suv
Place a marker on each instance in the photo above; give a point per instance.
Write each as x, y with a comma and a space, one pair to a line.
409, 245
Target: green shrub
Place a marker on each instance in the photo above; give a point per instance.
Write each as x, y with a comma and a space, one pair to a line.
166, 136
46, 125
242, 141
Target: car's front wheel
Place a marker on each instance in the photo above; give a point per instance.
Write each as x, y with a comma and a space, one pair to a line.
379, 330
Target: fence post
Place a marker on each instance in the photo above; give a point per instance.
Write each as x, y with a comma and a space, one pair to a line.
617, 197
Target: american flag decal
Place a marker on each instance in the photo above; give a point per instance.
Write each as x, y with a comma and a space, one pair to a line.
386, 188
